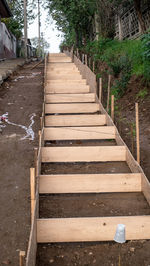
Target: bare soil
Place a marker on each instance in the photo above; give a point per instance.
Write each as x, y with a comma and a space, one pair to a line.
21, 95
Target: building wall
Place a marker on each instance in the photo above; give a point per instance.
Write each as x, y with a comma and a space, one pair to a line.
8, 43
127, 25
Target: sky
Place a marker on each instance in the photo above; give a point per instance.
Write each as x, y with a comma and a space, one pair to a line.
51, 34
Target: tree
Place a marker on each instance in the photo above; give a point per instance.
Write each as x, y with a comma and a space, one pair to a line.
74, 18
44, 45
16, 23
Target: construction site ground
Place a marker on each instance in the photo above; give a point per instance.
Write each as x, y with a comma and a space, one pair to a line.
21, 96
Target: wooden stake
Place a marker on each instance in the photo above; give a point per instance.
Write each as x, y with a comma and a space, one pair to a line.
86, 59
21, 258
35, 160
77, 53
90, 62
32, 191
137, 132
112, 106
108, 93
83, 58
93, 67
100, 89
40, 138
132, 140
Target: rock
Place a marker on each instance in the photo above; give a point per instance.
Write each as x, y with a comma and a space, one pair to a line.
51, 260
90, 253
132, 249
94, 261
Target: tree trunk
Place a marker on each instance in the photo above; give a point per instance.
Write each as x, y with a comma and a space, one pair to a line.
137, 5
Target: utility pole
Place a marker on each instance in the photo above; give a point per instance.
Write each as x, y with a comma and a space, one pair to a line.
25, 29
39, 25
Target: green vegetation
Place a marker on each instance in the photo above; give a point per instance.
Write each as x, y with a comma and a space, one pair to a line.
16, 23
124, 59
142, 94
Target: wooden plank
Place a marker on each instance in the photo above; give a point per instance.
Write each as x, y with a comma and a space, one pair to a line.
75, 120
57, 81
137, 132
74, 98
84, 154
90, 183
59, 59
71, 133
56, 54
64, 77
63, 71
91, 229
32, 245
67, 88
57, 66
32, 190
62, 108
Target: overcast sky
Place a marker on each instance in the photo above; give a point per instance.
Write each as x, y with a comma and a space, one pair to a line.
51, 34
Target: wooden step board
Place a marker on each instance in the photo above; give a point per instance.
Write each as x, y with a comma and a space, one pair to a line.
62, 108
57, 54
64, 77
67, 88
76, 81
91, 229
89, 183
60, 59
70, 98
61, 66
79, 133
75, 120
62, 72
83, 154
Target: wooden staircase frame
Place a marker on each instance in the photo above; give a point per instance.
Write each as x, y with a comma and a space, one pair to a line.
93, 228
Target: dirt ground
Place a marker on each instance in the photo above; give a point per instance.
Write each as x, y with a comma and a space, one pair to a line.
20, 96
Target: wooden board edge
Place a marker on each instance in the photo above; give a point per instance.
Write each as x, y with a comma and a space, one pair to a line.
103, 183
91, 228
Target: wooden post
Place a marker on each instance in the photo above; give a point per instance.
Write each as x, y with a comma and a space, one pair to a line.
32, 191
120, 27
100, 89
21, 258
40, 138
86, 59
112, 107
132, 140
77, 53
41, 122
93, 67
35, 160
108, 93
137, 132
89, 62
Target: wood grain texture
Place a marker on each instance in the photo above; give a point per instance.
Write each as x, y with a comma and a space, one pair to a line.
70, 98
91, 229
66, 88
76, 133
62, 108
75, 120
90, 183
64, 77
84, 154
